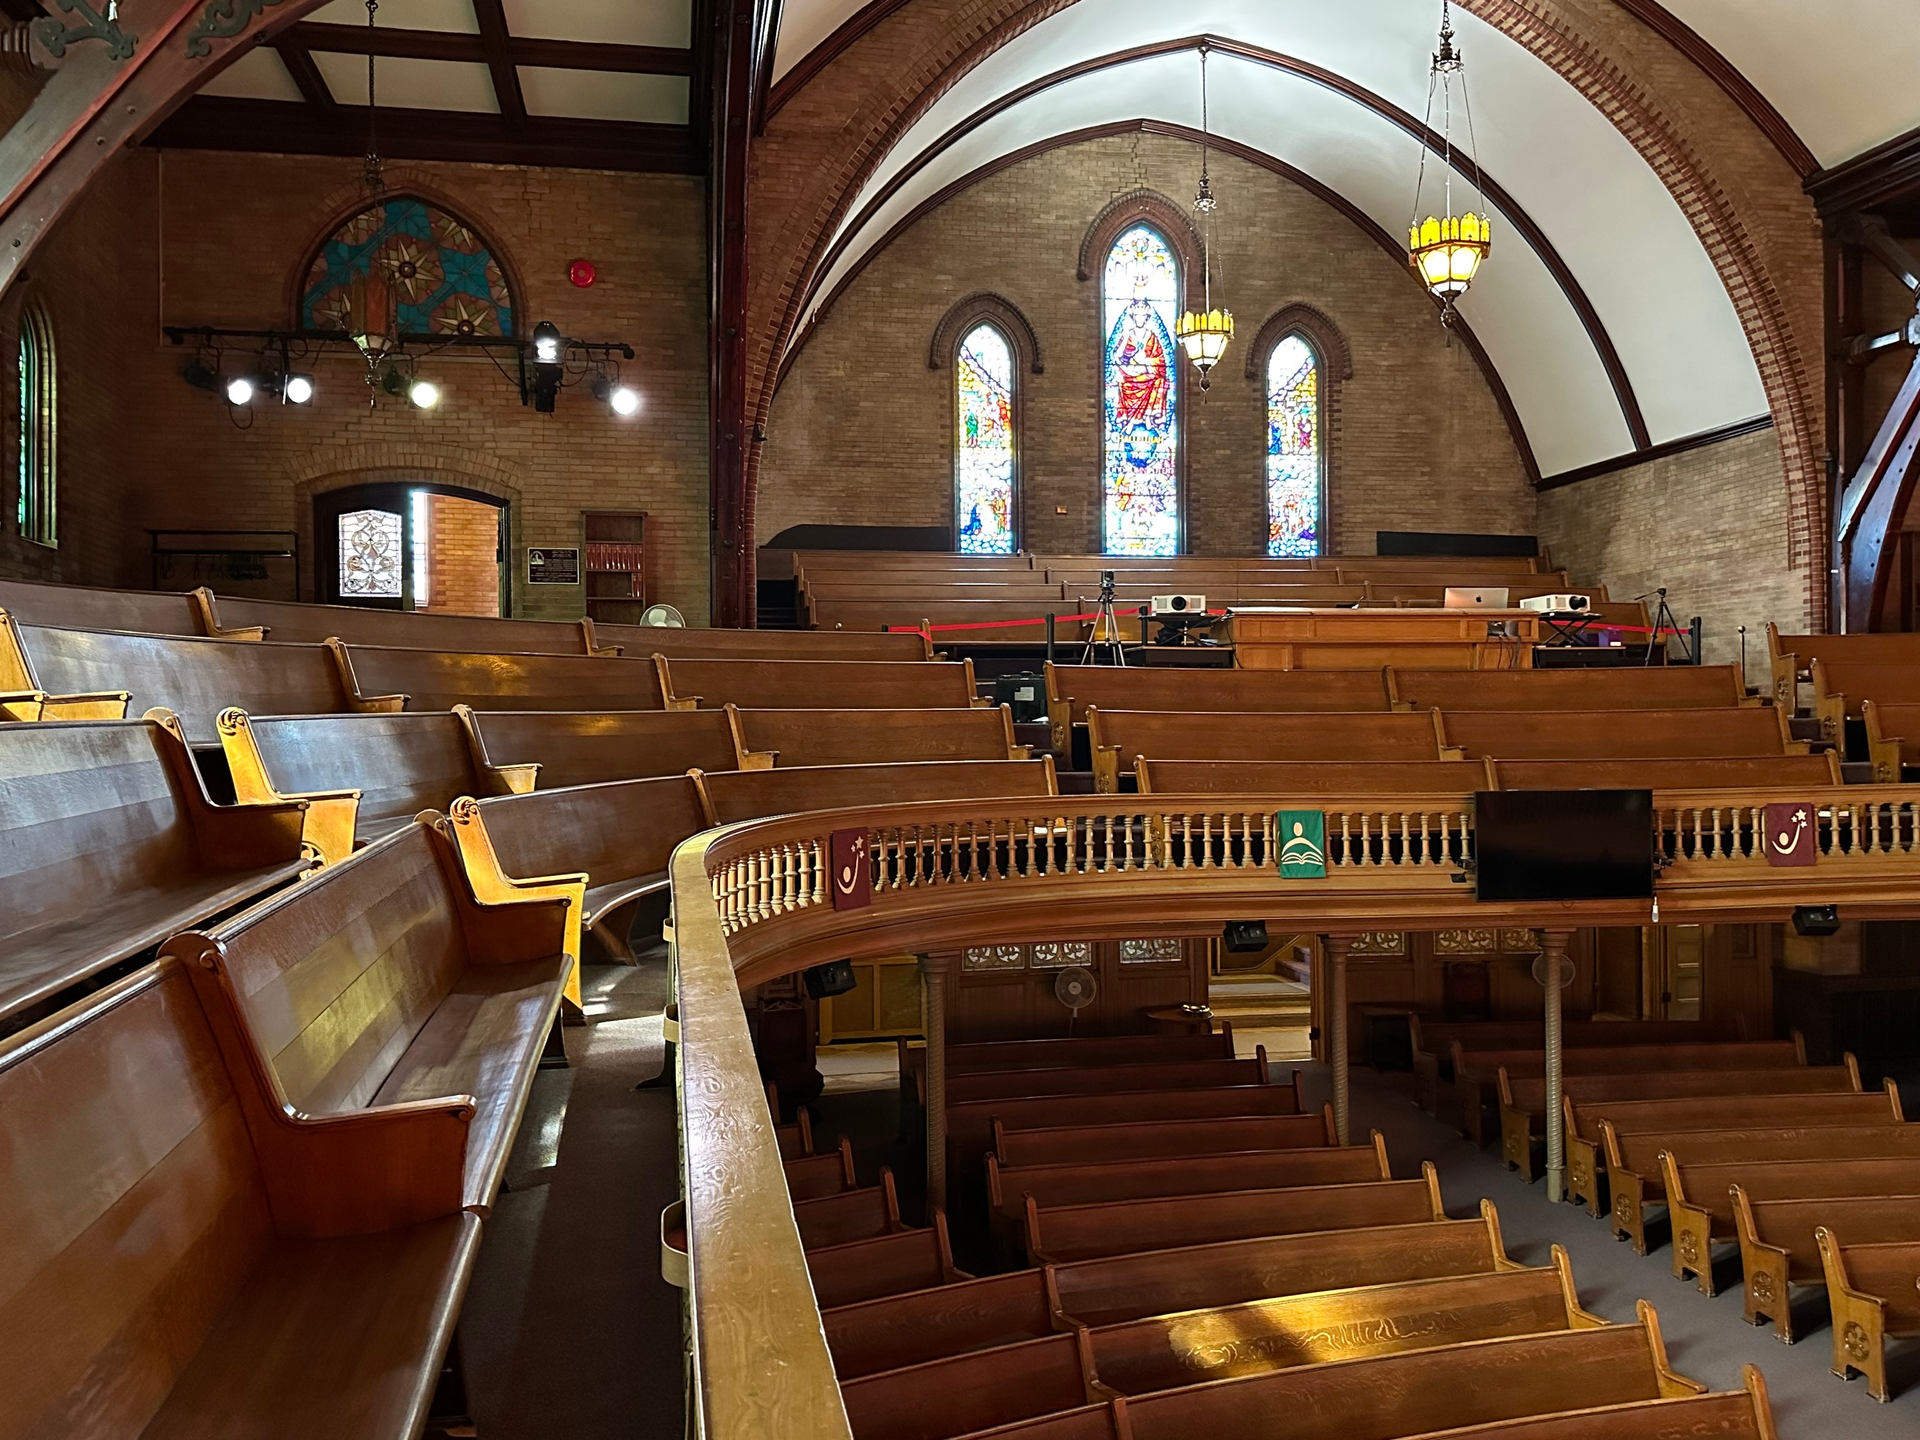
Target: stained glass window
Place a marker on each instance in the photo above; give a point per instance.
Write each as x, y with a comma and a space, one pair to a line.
370, 554
404, 260
1293, 449
983, 446
1140, 295
38, 510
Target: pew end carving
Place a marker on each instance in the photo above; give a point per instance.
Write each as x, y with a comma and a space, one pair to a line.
518, 902
330, 815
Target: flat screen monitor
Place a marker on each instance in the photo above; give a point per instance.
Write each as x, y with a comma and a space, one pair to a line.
1563, 844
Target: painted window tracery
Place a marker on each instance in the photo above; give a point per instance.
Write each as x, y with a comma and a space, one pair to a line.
1140, 295
983, 443
427, 267
370, 555
1295, 449
37, 512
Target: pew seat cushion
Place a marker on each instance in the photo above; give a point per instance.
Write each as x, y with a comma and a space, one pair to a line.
119, 921
483, 1039
326, 1338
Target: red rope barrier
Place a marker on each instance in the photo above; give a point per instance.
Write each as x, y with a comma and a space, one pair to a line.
1095, 615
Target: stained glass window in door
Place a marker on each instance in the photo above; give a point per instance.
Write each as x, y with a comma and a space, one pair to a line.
1293, 449
1140, 295
370, 555
983, 444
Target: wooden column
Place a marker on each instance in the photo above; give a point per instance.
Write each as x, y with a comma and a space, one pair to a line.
933, 971
1554, 971
1335, 947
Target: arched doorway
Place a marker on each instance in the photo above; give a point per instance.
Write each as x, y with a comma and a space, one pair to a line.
400, 545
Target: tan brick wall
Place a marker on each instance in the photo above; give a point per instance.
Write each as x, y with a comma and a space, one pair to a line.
861, 430
463, 543
1708, 524
193, 238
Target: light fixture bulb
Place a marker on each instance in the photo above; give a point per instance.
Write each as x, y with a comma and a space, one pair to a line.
625, 401
240, 391
546, 343
299, 389
424, 393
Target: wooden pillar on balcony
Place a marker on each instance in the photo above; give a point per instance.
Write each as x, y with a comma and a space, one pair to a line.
1553, 973
1335, 947
933, 971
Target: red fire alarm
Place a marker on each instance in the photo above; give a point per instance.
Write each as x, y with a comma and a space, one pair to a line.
582, 273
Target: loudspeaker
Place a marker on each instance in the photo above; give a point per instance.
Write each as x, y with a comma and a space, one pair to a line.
836, 977
1816, 920
1241, 937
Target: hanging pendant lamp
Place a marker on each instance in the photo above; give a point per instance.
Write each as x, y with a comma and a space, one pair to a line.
1204, 333
1445, 248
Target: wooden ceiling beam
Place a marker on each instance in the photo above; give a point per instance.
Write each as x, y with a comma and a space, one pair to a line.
496, 43
453, 45
306, 74
219, 122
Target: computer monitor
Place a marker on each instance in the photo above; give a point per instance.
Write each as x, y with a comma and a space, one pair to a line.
1463, 597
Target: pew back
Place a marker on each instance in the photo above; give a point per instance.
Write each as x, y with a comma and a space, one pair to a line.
145, 612
859, 737
1453, 778
296, 622
1149, 1139
592, 747
640, 641
1711, 772
1618, 734
442, 679
801, 684
1663, 687
751, 794
1071, 689
1119, 737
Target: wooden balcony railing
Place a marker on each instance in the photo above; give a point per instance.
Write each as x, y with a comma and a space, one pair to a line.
754, 901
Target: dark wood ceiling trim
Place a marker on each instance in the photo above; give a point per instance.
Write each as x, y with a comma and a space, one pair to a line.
827, 51
1889, 171
1511, 209
1680, 446
1717, 68
767, 39
453, 45
306, 75
218, 122
497, 45
1339, 202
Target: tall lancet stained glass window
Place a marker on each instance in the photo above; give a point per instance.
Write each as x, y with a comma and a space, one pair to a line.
983, 445
1294, 445
1140, 295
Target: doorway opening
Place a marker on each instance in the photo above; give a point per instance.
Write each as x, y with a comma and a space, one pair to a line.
435, 548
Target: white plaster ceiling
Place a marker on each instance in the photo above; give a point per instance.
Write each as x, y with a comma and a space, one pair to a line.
1841, 72
407, 84
1619, 231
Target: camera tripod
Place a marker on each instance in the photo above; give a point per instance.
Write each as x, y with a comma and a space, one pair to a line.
1104, 623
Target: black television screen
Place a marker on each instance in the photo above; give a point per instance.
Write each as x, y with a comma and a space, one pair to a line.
1563, 844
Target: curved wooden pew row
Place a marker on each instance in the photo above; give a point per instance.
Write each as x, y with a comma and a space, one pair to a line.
1663, 687
1104, 1079
109, 844
489, 680
1451, 779
592, 747
1072, 689
1793, 656
87, 607
694, 684
1701, 772
1779, 1248
859, 737
1872, 1293
1118, 738
1841, 689
752, 794
1102, 1140
1618, 734
301, 622
1888, 726
906, 1260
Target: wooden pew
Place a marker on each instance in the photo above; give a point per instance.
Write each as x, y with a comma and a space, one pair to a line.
970, 1123
1058, 1234
1841, 690
361, 776
1117, 738
1633, 1157
83, 607
1792, 656
442, 679
1700, 1205
621, 834
1476, 1073
997, 619
581, 747
859, 1270
1712, 772
1106, 1079
1561, 1385
1071, 689
981, 1056
1523, 1105
1455, 779
1888, 726
194, 678
301, 623
369, 995
861, 737
156, 1288
810, 684
1780, 1249
849, 1216
1097, 1182
1871, 1294
809, 1177
906, 1329
1159, 1139
698, 642
109, 844
1618, 734
750, 794
1659, 687
1433, 1042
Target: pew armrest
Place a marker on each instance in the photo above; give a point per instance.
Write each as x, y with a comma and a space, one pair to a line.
330, 816
374, 1169
88, 705
514, 779
378, 704
491, 887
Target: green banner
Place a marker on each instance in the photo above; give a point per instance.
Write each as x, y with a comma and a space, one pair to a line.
1302, 837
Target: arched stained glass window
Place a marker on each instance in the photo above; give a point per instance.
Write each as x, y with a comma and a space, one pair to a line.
39, 374
404, 258
983, 443
1294, 449
1140, 296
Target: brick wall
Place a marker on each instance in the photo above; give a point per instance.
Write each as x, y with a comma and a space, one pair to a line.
860, 431
463, 571
193, 238
1709, 524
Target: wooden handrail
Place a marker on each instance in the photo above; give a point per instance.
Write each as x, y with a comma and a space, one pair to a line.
752, 902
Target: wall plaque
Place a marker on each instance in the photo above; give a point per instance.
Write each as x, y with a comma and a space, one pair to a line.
550, 565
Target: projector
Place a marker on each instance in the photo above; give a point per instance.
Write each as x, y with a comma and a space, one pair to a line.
1558, 604
1179, 604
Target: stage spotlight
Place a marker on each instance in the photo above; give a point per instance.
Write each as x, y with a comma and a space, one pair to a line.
624, 401
546, 343
298, 389
240, 390
200, 375
547, 369
424, 393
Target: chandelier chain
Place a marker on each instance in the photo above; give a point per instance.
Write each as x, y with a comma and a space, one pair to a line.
372, 169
